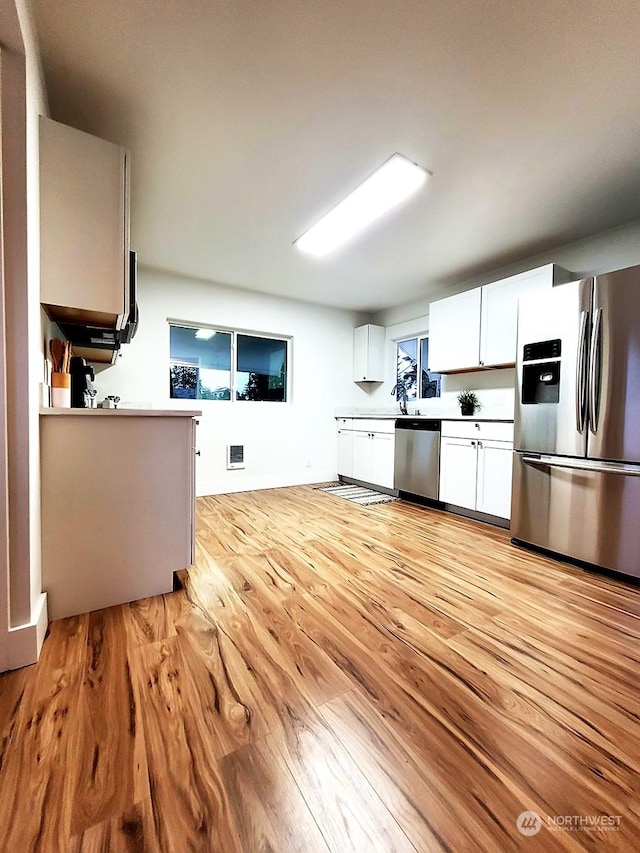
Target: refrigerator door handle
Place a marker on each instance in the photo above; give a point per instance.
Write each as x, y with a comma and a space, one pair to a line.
595, 367
582, 465
581, 372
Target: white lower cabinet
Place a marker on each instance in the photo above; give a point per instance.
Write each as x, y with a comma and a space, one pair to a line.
383, 451
345, 452
367, 451
495, 466
373, 458
362, 456
475, 473
458, 471
118, 503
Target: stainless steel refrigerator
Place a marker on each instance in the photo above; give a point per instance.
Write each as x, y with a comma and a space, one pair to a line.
576, 484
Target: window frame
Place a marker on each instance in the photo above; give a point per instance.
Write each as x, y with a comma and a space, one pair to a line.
287, 340
418, 338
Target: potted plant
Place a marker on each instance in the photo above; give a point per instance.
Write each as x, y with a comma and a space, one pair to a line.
469, 402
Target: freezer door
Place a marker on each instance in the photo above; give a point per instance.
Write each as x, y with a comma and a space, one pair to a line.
553, 343
614, 377
589, 514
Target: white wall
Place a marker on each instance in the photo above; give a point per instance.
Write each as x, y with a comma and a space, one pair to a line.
600, 253
285, 443
610, 250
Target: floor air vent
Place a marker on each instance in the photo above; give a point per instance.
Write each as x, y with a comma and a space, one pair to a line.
235, 456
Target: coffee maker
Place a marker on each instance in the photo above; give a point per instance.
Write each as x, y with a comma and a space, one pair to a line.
82, 376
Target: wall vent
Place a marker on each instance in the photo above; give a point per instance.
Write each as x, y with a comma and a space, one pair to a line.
235, 456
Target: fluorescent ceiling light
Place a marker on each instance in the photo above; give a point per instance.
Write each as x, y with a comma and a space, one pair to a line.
205, 334
394, 181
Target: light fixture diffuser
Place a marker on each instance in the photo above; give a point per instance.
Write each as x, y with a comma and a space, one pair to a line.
394, 181
205, 334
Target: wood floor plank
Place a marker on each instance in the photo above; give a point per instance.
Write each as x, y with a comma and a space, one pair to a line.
148, 620
269, 809
230, 702
314, 672
112, 767
12, 689
37, 779
190, 804
132, 831
437, 811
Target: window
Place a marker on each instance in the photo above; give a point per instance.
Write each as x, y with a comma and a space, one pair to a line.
261, 371
412, 360
213, 364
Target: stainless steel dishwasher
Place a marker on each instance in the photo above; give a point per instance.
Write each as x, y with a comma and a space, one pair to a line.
417, 457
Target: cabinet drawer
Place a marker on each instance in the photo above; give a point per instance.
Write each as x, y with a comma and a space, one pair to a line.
344, 423
490, 430
374, 424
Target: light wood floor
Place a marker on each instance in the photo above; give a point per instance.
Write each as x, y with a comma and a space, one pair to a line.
333, 678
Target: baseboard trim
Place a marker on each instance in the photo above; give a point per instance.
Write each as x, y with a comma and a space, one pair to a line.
251, 484
25, 641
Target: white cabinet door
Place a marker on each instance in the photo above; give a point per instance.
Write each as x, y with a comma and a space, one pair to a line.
345, 452
373, 457
84, 226
458, 471
495, 465
361, 456
499, 316
454, 332
382, 459
368, 353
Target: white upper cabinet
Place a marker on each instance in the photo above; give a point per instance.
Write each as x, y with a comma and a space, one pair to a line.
368, 354
478, 329
84, 224
454, 332
499, 313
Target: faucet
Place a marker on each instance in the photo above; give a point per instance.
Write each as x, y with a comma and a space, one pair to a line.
400, 389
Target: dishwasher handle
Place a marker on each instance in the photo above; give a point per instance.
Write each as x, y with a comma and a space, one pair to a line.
419, 424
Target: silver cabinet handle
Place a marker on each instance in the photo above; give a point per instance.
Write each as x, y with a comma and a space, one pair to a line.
473, 444
581, 372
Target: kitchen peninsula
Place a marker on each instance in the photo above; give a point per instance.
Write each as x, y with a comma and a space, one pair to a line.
117, 504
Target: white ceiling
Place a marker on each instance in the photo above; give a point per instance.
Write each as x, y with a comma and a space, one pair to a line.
248, 119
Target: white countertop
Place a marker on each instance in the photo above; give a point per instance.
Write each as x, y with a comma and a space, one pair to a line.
122, 413
440, 413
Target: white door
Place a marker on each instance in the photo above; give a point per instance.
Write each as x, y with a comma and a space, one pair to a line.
454, 332
382, 459
495, 466
500, 313
458, 471
345, 452
362, 456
